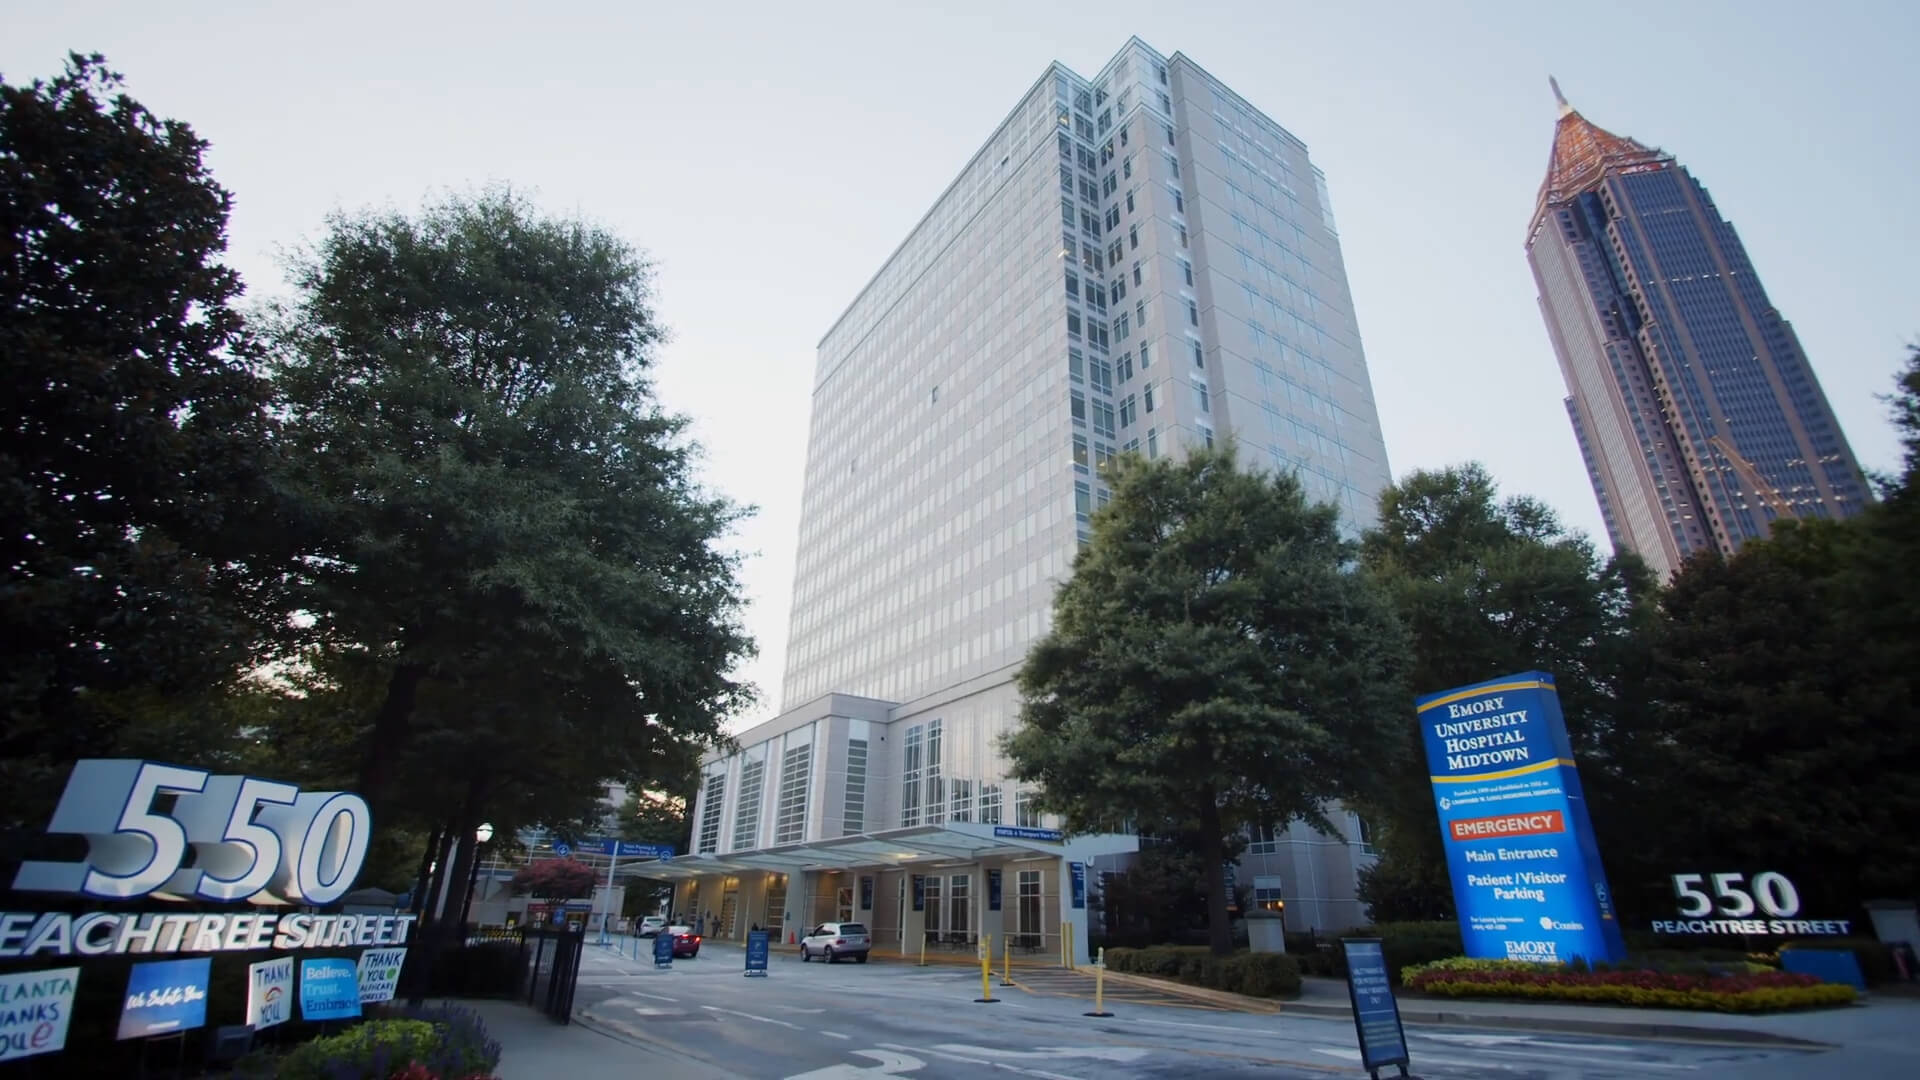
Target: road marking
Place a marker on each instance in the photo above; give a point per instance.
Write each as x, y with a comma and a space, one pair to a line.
798, 1009
889, 1065
649, 1010
1042, 1073
751, 1016
834, 1034
1122, 1055
655, 997
1519, 1042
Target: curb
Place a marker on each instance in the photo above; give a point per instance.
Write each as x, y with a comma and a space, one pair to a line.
1447, 1018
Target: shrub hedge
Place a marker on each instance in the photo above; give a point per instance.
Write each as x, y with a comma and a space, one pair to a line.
1876, 965
1404, 944
437, 1043
1254, 974
1753, 993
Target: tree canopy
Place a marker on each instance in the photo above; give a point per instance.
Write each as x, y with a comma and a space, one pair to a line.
1216, 662
501, 527
132, 430
1487, 587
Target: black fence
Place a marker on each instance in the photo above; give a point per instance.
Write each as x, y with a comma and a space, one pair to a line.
537, 966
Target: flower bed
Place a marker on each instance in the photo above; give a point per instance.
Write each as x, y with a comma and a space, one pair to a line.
1748, 993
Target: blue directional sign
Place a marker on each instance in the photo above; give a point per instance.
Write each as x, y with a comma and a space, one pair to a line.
1527, 879
1020, 832
1376, 1015
1079, 877
562, 848
757, 953
663, 950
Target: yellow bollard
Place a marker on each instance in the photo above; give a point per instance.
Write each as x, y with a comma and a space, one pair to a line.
1100, 985
923, 948
986, 971
1006, 952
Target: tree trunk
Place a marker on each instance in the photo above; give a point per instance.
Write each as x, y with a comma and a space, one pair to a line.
389, 730
437, 875
426, 870
1213, 846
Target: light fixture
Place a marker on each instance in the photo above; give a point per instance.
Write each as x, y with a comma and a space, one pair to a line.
484, 833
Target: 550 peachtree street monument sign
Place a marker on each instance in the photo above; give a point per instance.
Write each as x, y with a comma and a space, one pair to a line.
256, 841
1527, 879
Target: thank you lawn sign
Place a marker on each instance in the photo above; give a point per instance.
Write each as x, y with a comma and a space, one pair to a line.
34, 1009
1527, 879
269, 993
380, 974
165, 997
1376, 1015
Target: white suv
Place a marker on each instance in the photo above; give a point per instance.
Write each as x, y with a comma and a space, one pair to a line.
837, 939
652, 925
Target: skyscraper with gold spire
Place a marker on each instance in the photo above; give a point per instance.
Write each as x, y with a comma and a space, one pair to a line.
1698, 415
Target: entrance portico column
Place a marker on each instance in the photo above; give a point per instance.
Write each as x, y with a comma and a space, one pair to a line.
1075, 915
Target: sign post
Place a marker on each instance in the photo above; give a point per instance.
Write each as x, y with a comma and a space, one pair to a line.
663, 951
1376, 1015
757, 941
1527, 879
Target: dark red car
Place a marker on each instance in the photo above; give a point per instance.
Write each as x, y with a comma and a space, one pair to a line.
686, 943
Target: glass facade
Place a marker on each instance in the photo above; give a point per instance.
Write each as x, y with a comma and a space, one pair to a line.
1140, 261
1694, 407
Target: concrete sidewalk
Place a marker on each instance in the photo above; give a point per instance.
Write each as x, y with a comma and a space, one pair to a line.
535, 1048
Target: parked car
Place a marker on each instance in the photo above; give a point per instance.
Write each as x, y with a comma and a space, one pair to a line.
686, 943
837, 939
652, 925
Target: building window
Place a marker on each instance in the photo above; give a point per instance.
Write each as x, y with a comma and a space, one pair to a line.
1199, 355
1181, 231
1126, 366
1153, 444
1078, 407
1146, 359
990, 804
935, 800
1024, 813
1186, 270
1267, 894
1133, 237
1179, 204
911, 775
1169, 135
1129, 410
1103, 419
746, 810
1263, 840
960, 801
1136, 278
1149, 397
1193, 313
930, 893
796, 770
959, 915
1028, 912
1100, 373
1200, 397
1363, 833
854, 821
710, 814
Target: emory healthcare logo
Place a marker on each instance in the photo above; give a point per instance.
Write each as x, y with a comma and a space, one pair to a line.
1538, 952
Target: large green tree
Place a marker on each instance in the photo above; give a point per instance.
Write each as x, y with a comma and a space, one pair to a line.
1788, 678
1216, 662
132, 423
1490, 586
500, 520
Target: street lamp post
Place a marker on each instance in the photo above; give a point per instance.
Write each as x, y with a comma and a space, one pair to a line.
480, 837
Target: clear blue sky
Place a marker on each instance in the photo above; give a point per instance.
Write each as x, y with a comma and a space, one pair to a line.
771, 155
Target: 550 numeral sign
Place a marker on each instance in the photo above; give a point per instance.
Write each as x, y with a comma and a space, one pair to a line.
256, 840
1731, 904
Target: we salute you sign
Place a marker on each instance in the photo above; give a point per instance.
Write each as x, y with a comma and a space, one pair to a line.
1527, 879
